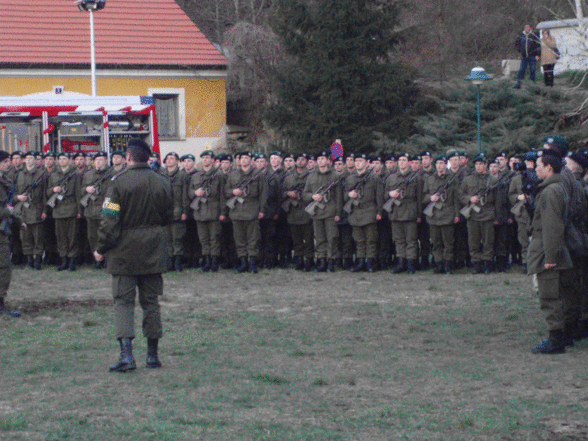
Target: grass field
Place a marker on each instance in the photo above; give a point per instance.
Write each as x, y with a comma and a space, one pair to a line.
285, 355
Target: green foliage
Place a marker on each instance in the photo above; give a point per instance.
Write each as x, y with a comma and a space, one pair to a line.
338, 80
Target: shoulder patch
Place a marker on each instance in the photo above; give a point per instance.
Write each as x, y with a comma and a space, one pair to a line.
110, 209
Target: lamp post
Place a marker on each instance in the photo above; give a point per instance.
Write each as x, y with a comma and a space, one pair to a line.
477, 77
91, 6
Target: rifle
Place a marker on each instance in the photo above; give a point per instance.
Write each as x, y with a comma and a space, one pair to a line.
5, 224
288, 202
85, 201
481, 194
52, 202
243, 185
442, 191
402, 189
348, 207
195, 204
312, 207
27, 191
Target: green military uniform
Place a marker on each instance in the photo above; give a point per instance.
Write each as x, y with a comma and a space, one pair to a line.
404, 217
5, 272
423, 230
66, 211
32, 237
480, 224
504, 219
99, 179
362, 216
345, 244
269, 242
299, 220
207, 211
461, 248
442, 219
245, 212
521, 214
325, 229
177, 229
192, 248
136, 211
385, 245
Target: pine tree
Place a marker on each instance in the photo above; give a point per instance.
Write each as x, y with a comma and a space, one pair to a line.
338, 79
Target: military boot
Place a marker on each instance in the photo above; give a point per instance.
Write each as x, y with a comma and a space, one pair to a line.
170, 264
370, 265
359, 265
424, 262
401, 267
321, 266
178, 264
72, 263
243, 266
253, 265
38, 263
487, 266
299, 263
411, 266
552, 345
6, 311
384, 263
569, 332
31, 262
213, 264
330, 266
152, 358
126, 362
64, 264
476, 267
582, 330
205, 264
438, 268
308, 264
448, 267
347, 263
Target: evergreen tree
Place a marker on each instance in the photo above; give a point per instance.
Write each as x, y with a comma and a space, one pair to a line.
338, 79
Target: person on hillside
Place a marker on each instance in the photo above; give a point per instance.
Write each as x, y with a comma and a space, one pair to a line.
549, 56
529, 47
132, 235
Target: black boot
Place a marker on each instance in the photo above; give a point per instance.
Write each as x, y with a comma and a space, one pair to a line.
448, 267
384, 263
438, 268
552, 345
72, 263
205, 264
178, 264
347, 263
582, 330
370, 265
321, 266
308, 264
359, 265
476, 267
299, 263
330, 266
170, 264
6, 311
411, 266
253, 265
338, 263
401, 267
243, 267
152, 359
64, 264
38, 263
569, 332
213, 264
31, 262
487, 266
126, 362
424, 262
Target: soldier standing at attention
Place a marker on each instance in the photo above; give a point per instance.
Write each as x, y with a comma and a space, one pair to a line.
63, 188
461, 248
118, 161
16, 166
50, 241
346, 246
206, 193
228, 252
177, 229
246, 195
192, 249
5, 214
31, 192
137, 208
328, 206
364, 200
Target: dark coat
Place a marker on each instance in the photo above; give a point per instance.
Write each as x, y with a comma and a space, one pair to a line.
528, 45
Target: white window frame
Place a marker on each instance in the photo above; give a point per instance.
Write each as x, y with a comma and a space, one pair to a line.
181, 94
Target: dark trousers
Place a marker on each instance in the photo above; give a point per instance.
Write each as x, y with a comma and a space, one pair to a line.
303, 240
228, 250
346, 245
267, 239
424, 236
385, 238
548, 75
527, 62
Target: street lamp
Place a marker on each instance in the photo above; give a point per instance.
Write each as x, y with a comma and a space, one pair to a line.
477, 77
91, 6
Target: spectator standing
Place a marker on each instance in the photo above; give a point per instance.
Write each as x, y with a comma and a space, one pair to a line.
529, 46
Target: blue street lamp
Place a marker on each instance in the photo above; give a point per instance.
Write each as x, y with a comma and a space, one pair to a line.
477, 77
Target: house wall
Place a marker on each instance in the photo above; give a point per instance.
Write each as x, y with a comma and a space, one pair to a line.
204, 111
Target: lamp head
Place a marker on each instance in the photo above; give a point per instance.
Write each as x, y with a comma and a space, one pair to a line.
478, 76
90, 5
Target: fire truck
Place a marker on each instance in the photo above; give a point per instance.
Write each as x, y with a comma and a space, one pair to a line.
76, 122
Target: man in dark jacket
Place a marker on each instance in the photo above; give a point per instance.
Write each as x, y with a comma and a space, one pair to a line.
529, 46
132, 235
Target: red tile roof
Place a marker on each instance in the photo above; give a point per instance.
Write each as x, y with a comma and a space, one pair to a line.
128, 32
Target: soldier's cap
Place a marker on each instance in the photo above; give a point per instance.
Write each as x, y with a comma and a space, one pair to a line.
301, 155
100, 155
289, 155
580, 158
453, 154
349, 155
388, 157
174, 154
244, 153
4, 155
17, 153
463, 153
311, 156
441, 157
403, 155
78, 154
207, 153
338, 159
392, 157
119, 153
492, 161
480, 157
531, 156
188, 156
501, 155
558, 143
224, 157
154, 155
60, 154
38, 155
50, 155
276, 153
361, 156
374, 158
546, 152
414, 158
325, 153
29, 154
140, 144
261, 156
425, 153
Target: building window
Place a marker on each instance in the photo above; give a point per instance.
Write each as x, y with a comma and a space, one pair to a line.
170, 109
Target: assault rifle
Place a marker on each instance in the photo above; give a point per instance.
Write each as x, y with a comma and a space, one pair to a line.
314, 205
27, 191
402, 190
293, 202
243, 185
52, 202
195, 204
442, 192
358, 187
5, 224
85, 201
482, 193
530, 182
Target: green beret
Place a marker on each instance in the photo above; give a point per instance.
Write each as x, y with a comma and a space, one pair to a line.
188, 156
481, 157
207, 153
60, 154
441, 157
119, 153
276, 153
559, 143
452, 154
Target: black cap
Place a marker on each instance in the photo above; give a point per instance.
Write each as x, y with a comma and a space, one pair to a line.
4, 155
140, 144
